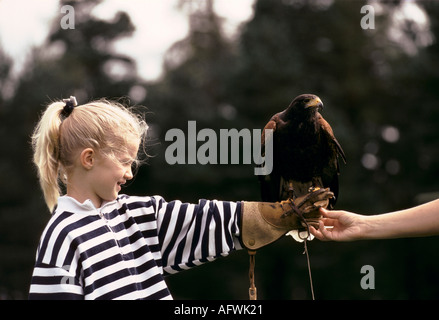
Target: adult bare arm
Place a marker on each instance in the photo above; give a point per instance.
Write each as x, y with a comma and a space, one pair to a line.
418, 221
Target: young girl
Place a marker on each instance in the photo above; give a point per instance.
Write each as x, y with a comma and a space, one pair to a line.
102, 245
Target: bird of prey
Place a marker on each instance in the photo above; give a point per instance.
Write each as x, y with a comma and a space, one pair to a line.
305, 152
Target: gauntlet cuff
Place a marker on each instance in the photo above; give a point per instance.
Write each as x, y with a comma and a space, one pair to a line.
258, 230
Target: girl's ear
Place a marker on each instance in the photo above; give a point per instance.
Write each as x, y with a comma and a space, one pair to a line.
87, 158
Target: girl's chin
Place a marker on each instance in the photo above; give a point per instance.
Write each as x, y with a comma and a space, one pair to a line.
111, 197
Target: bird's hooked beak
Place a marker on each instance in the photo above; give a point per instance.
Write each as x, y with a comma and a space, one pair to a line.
315, 103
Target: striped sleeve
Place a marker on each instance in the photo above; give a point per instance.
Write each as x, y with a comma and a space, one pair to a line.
191, 234
122, 250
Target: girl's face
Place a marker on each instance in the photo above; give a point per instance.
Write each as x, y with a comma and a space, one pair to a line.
108, 175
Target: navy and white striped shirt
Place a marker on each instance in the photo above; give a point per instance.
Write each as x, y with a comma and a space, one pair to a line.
123, 249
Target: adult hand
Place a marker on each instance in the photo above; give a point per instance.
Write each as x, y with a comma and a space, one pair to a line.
340, 226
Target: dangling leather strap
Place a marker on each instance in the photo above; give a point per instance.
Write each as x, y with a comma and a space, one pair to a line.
252, 292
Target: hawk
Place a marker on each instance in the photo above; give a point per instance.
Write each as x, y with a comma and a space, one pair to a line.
305, 152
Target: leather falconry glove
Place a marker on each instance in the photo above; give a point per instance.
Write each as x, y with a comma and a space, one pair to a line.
265, 222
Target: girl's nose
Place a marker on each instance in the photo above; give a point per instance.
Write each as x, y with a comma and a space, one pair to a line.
128, 174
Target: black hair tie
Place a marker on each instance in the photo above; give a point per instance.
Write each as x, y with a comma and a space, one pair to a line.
68, 108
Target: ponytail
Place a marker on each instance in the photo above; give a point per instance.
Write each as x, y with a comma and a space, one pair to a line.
45, 144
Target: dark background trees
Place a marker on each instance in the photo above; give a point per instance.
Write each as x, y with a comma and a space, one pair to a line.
380, 90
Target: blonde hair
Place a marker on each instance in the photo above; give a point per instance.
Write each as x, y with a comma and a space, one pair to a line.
106, 126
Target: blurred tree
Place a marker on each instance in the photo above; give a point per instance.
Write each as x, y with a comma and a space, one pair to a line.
194, 87
5, 78
197, 70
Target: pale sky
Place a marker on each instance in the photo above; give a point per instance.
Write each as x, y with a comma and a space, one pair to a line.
24, 23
